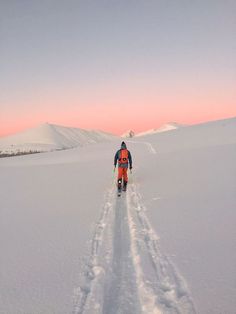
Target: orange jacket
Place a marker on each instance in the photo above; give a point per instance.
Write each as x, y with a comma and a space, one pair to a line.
124, 158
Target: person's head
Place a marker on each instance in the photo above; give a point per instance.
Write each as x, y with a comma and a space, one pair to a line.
123, 145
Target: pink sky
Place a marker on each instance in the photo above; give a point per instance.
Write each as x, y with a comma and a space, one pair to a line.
118, 66
117, 118
132, 105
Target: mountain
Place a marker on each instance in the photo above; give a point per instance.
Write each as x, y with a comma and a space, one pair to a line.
50, 137
195, 136
128, 134
164, 128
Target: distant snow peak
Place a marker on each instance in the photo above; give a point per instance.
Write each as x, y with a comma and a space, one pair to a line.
164, 128
49, 137
128, 134
169, 126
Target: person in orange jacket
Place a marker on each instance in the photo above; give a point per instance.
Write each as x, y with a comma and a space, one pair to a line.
124, 159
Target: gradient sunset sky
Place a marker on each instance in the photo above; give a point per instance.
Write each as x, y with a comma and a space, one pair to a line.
116, 65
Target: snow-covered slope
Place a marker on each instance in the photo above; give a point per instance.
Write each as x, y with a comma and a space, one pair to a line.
195, 136
164, 128
69, 245
49, 137
128, 134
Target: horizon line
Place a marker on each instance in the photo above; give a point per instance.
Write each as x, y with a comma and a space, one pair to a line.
129, 129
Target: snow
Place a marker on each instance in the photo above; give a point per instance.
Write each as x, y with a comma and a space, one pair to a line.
69, 245
128, 134
49, 137
164, 128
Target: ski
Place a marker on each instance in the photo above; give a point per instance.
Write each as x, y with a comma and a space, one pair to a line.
121, 190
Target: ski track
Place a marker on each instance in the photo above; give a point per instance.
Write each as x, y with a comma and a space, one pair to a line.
160, 280
149, 146
91, 289
126, 272
120, 293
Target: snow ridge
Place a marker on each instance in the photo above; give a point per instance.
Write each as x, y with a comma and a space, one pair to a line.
164, 128
50, 137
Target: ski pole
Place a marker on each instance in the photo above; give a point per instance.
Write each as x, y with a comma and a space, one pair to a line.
131, 176
114, 174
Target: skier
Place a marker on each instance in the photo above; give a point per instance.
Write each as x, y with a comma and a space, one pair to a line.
124, 159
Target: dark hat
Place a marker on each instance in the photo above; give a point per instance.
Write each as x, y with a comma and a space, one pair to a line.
123, 145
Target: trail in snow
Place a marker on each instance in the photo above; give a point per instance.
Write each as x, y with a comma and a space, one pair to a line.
88, 296
163, 289
149, 146
127, 272
120, 294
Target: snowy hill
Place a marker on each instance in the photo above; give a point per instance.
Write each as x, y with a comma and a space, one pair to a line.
49, 137
196, 136
128, 134
164, 128
69, 245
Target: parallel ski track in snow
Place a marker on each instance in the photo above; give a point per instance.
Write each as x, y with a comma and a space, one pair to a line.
127, 273
162, 288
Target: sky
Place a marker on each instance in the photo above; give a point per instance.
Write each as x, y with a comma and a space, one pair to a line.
116, 65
